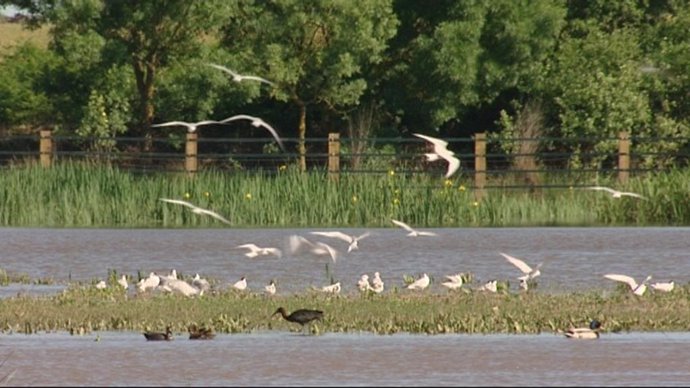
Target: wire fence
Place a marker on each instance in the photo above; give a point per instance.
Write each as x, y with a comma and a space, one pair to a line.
486, 161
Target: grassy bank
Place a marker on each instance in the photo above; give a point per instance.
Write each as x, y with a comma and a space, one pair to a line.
81, 310
79, 195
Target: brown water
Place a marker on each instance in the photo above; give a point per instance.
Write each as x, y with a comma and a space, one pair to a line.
286, 358
574, 258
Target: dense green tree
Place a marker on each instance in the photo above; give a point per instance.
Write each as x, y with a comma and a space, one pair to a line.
148, 35
313, 51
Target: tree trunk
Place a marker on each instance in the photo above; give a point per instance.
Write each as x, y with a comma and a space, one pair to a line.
302, 134
145, 74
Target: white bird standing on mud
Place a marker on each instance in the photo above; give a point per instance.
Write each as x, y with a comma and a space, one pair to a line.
197, 209
441, 151
270, 288
419, 284
663, 286
363, 283
377, 283
333, 288
241, 284
453, 281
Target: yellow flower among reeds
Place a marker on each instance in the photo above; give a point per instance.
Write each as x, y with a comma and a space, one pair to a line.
187, 195
461, 188
248, 196
391, 172
448, 183
475, 204
207, 194
355, 199
396, 201
282, 167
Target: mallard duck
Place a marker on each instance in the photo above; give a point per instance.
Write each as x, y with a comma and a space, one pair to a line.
200, 333
157, 336
591, 332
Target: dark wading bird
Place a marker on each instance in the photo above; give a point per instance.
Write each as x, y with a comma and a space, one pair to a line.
301, 316
158, 336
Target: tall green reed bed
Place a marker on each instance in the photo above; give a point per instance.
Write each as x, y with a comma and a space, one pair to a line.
83, 195
81, 310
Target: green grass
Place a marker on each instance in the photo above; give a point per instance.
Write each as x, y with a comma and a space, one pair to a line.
85, 195
83, 309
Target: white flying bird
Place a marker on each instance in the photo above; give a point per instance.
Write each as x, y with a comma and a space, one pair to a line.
197, 210
240, 77
255, 251
413, 232
615, 193
191, 127
441, 151
352, 240
637, 289
257, 122
528, 272
419, 284
296, 242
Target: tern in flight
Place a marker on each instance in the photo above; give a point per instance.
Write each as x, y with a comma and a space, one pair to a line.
239, 77
191, 127
255, 250
257, 122
528, 272
352, 240
441, 151
615, 193
197, 209
637, 289
413, 232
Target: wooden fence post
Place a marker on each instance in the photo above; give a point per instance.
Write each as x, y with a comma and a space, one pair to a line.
46, 147
623, 157
479, 165
190, 160
334, 156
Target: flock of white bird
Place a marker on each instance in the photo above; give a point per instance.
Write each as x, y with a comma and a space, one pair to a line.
299, 245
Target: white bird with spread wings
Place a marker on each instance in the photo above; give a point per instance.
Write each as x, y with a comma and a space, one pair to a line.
255, 250
197, 209
191, 127
441, 151
352, 240
615, 193
237, 77
413, 232
257, 122
528, 272
637, 289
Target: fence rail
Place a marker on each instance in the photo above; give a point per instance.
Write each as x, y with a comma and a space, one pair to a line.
484, 164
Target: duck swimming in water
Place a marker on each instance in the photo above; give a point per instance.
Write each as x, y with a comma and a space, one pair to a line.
591, 332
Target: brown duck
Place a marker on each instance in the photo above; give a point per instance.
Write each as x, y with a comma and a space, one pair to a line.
158, 336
